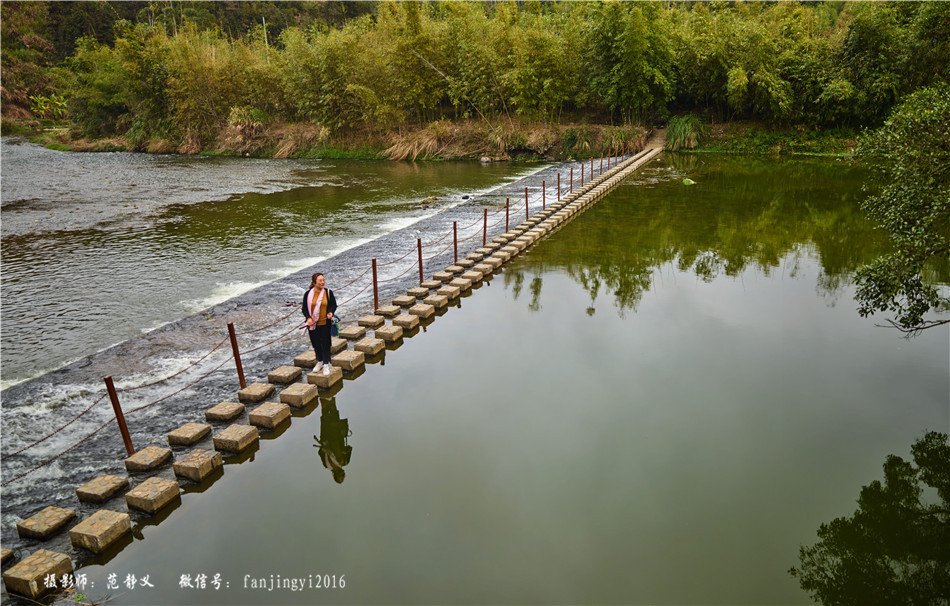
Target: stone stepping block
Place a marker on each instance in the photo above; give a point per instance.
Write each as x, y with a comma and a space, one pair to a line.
417, 292
353, 333
307, 359
511, 250
100, 530
27, 577
474, 276
198, 464
336, 346
501, 240
101, 489
451, 292
190, 433
271, 414
484, 251
455, 269
406, 322
370, 346
225, 411
348, 360
431, 284
404, 300
443, 276
255, 392
389, 311
5, 555
45, 523
283, 375
371, 321
148, 458
476, 256
388, 333
422, 310
436, 301
236, 438
152, 494
511, 235
503, 255
493, 246
465, 263
462, 284
323, 381
299, 395
493, 262
484, 268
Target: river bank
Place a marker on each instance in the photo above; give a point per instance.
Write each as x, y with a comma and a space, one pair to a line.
502, 140
499, 140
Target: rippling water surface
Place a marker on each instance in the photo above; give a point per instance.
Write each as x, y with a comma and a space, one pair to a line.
101, 247
657, 404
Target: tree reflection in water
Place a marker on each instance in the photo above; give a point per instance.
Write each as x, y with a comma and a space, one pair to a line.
743, 213
895, 549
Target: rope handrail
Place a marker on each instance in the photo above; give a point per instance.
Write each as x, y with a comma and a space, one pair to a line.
438, 253
356, 295
354, 280
48, 461
437, 241
192, 384
41, 440
247, 332
395, 260
411, 267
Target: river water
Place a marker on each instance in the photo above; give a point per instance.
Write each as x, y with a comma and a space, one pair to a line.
657, 404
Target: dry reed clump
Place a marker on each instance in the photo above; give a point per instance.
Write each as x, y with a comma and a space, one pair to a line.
290, 138
429, 142
159, 146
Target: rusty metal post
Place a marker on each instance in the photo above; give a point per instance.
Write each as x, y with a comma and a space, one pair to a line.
375, 288
543, 192
601, 164
526, 217
592, 168
455, 239
123, 428
572, 181
484, 227
559, 187
419, 246
507, 209
237, 355
582, 174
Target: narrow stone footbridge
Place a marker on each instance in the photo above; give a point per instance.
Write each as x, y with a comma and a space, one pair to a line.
198, 457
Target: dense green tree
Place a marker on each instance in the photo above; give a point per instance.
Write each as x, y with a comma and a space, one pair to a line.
895, 549
913, 205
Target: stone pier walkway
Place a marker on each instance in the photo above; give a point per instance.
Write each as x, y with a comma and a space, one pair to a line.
195, 450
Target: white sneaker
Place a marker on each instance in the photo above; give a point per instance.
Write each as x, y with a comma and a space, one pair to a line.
326, 370
318, 366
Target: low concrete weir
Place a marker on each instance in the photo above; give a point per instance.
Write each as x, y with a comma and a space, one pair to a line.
230, 428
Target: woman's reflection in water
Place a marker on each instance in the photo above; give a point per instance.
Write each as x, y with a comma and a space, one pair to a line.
334, 451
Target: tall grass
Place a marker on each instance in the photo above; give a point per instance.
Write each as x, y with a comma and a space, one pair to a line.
684, 132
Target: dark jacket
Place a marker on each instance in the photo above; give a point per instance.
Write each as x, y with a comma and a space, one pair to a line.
331, 303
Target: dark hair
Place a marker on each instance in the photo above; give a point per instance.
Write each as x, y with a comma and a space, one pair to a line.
313, 280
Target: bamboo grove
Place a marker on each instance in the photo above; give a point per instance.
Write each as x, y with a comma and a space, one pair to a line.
175, 71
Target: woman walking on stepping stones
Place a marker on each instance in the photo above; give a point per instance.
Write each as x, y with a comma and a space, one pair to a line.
318, 307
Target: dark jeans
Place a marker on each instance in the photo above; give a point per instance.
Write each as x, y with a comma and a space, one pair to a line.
320, 337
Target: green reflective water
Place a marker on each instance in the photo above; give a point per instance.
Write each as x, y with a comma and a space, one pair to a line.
655, 405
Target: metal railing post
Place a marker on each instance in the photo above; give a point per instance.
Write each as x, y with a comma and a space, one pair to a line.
375, 288
419, 246
123, 428
455, 239
237, 355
